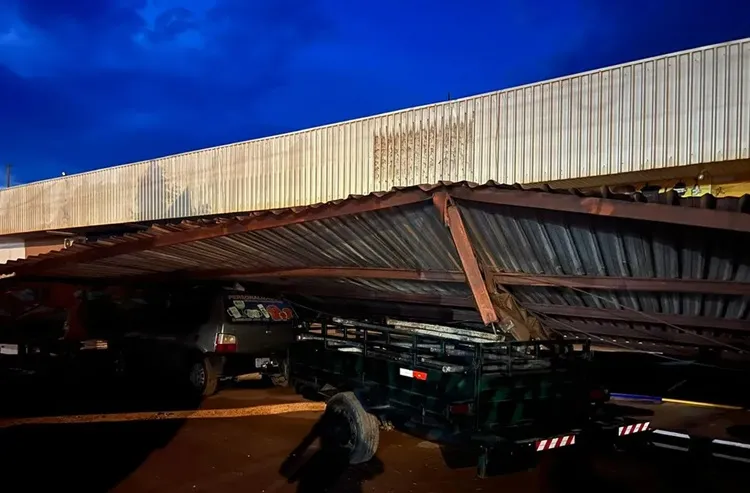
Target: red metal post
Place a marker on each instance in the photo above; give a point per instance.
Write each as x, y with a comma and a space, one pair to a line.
452, 217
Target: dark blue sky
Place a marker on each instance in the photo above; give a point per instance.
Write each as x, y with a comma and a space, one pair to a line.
86, 84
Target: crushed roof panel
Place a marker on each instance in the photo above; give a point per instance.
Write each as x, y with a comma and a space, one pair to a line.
518, 238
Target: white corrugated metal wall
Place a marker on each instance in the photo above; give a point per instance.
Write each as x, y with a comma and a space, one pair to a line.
680, 109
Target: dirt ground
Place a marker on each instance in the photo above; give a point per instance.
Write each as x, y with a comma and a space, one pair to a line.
230, 451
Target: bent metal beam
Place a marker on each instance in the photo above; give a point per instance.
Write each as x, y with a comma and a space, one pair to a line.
335, 272
452, 218
685, 216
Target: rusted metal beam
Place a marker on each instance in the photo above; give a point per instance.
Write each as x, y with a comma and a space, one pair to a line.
639, 317
625, 283
668, 336
266, 220
687, 216
452, 218
333, 272
253, 275
360, 294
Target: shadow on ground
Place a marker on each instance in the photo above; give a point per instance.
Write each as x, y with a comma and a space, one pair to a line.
85, 457
29, 395
91, 457
320, 465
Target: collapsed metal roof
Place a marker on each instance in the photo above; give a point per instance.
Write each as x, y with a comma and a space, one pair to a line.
649, 274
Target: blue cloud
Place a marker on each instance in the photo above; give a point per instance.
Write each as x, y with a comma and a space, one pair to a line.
92, 83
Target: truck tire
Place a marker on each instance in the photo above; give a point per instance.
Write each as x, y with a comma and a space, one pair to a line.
203, 377
281, 379
348, 425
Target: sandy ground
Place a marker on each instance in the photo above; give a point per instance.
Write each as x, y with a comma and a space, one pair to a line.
229, 449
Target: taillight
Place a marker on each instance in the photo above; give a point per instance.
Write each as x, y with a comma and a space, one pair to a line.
415, 374
462, 408
226, 343
598, 395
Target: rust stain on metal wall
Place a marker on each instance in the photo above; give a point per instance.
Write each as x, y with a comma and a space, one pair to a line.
401, 155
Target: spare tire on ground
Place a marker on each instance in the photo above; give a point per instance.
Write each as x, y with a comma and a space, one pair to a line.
347, 425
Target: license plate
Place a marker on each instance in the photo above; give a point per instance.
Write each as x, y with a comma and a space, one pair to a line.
261, 362
10, 349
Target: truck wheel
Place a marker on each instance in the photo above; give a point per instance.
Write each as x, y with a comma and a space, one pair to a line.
349, 426
281, 379
204, 379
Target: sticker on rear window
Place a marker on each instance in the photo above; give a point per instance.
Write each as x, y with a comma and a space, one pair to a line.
253, 314
263, 311
242, 308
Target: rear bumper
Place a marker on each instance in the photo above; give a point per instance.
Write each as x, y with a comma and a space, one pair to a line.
617, 431
536, 440
620, 435
233, 365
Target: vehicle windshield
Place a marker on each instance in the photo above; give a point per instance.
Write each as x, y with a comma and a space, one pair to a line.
242, 308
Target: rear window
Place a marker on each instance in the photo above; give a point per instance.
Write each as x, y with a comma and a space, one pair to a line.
242, 308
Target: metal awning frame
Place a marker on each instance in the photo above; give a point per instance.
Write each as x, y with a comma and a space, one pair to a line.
447, 199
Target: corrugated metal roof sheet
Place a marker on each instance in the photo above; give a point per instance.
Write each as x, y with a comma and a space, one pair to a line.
460, 294
410, 237
551, 243
640, 334
401, 226
521, 238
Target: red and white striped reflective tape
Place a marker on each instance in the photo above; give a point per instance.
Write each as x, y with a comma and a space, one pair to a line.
556, 442
418, 375
630, 429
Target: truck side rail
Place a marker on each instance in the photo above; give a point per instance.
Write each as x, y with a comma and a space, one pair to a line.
448, 349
